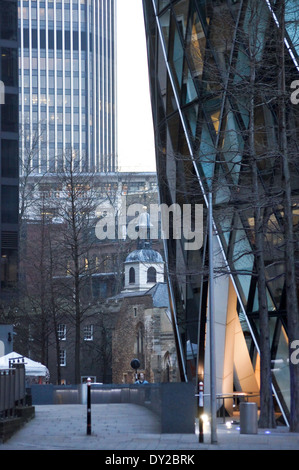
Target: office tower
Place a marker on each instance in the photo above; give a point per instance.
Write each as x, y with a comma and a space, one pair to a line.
9, 146
200, 72
67, 68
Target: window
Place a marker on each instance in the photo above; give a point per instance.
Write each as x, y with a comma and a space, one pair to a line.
9, 66
10, 204
9, 158
62, 332
88, 333
9, 113
62, 357
139, 343
8, 20
151, 275
132, 276
34, 38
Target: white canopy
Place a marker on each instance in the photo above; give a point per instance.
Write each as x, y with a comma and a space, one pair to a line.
32, 368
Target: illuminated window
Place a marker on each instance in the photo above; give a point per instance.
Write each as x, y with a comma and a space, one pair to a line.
62, 332
88, 333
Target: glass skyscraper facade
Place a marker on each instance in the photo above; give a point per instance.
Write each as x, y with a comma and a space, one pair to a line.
200, 71
9, 146
67, 73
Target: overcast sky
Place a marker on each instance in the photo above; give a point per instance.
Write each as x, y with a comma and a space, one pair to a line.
135, 128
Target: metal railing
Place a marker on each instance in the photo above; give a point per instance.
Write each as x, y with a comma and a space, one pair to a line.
12, 388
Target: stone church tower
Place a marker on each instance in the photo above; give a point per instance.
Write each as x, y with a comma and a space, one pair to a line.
143, 327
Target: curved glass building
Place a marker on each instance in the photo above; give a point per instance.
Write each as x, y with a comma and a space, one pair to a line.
203, 58
67, 74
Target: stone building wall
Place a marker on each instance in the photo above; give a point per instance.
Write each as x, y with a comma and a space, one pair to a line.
156, 351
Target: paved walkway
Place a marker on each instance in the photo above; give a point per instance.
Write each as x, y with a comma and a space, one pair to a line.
131, 428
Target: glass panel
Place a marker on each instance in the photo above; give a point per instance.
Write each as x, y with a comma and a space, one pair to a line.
176, 55
224, 219
271, 306
8, 20
222, 188
9, 66
181, 12
9, 197
255, 24
188, 89
280, 367
292, 21
232, 147
164, 23
163, 4
9, 158
195, 45
242, 258
171, 101
191, 117
9, 113
221, 38
206, 156
9, 267
242, 66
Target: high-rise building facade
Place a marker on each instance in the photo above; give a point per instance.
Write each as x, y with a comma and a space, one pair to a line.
9, 145
67, 73
215, 69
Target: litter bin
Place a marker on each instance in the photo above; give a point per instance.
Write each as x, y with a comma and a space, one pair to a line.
248, 418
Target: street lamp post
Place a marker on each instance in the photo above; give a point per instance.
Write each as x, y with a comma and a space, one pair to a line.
212, 328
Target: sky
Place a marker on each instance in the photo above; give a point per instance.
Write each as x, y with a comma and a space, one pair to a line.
135, 127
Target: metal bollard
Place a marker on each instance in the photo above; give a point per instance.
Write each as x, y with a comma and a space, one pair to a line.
88, 431
248, 418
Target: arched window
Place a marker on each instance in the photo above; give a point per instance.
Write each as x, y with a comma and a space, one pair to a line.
132, 276
139, 343
151, 275
166, 367
139, 339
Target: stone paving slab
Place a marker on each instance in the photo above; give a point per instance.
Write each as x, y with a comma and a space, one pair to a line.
129, 427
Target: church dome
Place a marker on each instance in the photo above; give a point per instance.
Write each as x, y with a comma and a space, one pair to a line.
145, 255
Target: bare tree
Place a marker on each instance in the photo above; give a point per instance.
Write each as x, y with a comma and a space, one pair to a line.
290, 259
77, 212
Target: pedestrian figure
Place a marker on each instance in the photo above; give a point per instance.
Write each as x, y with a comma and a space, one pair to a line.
141, 379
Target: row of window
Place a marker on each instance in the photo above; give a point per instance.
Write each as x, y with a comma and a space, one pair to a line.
151, 275
60, 44
87, 332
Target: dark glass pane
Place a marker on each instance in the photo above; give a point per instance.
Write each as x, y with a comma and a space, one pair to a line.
75, 40
67, 40
9, 158
26, 38
8, 20
9, 66
10, 204
9, 260
59, 39
51, 39
34, 38
83, 40
42, 38
9, 113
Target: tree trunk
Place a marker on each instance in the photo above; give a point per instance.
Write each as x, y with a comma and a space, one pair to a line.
267, 418
291, 292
